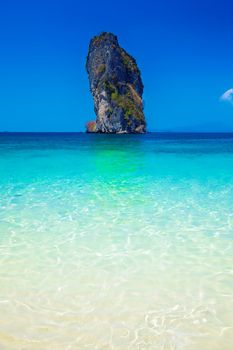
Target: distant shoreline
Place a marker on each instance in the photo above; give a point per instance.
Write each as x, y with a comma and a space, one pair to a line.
171, 135
83, 132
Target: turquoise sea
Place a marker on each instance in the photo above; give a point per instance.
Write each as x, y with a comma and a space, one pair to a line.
116, 242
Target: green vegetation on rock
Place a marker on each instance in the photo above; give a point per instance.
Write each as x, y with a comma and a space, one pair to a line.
101, 69
129, 62
130, 102
127, 103
97, 40
109, 87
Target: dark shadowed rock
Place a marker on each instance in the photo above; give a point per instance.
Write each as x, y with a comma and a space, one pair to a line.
116, 86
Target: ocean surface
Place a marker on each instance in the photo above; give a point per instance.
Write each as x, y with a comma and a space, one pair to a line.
116, 242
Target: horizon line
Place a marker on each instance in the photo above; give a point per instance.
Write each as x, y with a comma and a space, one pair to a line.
148, 132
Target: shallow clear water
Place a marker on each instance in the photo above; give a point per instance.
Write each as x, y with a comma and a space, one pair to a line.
116, 242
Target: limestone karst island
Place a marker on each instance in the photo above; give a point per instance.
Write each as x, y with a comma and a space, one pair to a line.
116, 86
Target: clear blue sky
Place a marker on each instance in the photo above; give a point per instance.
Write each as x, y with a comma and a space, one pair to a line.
183, 48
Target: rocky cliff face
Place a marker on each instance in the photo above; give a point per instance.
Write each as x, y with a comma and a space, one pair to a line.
116, 86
